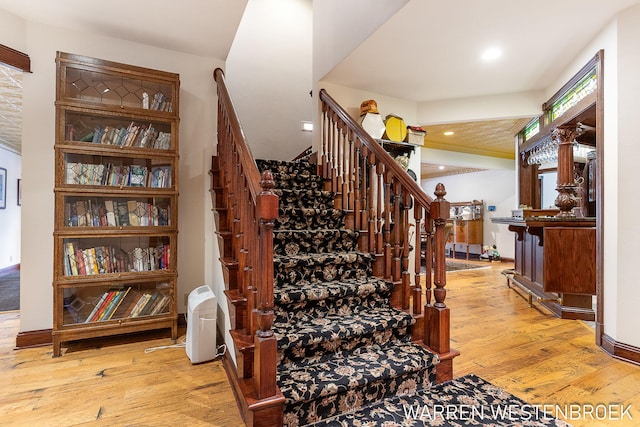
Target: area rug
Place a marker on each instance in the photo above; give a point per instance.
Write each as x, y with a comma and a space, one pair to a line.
457, 265
10, 291
465, 401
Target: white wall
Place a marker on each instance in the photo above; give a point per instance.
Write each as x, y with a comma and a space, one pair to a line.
10, 216
624, 328
268, 73
494, 187
524, 104
340, 26
196, 245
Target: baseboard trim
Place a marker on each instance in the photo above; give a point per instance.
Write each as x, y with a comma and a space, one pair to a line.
619, 350
29, 339
9, 269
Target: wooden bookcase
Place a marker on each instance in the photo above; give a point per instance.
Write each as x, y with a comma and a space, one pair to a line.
116, 199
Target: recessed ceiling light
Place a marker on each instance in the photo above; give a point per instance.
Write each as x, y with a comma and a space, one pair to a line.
491, 54
441, 167
448, 133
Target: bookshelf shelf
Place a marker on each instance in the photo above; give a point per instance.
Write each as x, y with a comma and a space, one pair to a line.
116, 199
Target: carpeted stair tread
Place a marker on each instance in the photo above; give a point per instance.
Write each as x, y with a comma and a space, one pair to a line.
294, 242
307, 330
308, 218
298, 181
316, 199
313, 291
315, 267
483, 403
375, 371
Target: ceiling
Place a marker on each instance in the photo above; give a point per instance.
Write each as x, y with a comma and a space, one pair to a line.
428, 51
10, 108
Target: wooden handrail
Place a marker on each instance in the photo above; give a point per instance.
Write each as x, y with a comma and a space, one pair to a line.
251, 208
248, 161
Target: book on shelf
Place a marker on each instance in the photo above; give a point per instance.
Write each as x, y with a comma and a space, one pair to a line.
110, 213
160, 177
107, 259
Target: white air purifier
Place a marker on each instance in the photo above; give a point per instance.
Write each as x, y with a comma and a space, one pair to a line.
201, 325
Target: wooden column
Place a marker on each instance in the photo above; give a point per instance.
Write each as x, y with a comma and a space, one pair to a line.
266, 344
437, 330
565, 137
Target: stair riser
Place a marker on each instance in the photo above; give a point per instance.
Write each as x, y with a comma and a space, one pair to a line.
303, 413
305, 199
282, 167
309, 219
340, 345
343, 306
327, 272
322, 241
299, 182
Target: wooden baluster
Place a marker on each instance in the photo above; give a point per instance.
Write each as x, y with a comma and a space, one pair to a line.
428, 257
334, 154
387, 196
339, 164
365, 184
417, 283
397, 231
404, 262
357, 207
265, 341
371, 168
324, 142
380, 203
347, 198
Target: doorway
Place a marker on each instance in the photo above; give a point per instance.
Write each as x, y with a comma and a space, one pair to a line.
10, 185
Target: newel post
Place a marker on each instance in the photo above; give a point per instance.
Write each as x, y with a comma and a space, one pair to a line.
437, 314
266, 345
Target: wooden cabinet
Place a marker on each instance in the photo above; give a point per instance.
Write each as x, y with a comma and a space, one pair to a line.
467, 225
555, 263
467, 232
116, 199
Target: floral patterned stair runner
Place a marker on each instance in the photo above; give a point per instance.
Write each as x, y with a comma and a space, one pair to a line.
340, 343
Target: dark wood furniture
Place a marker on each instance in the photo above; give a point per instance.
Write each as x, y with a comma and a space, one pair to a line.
116, 199
555, 263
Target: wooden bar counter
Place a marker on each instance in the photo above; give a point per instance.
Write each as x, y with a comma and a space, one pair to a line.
555, 262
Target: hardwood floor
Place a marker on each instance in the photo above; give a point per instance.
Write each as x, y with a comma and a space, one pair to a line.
113, 382
532, 354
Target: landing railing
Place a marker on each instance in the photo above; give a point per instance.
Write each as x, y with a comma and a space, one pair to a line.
385, 204
247, 209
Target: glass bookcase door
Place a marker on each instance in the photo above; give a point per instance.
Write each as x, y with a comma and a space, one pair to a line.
97, 169
116, 302
85, 84
92, 256
114, 211
105, 130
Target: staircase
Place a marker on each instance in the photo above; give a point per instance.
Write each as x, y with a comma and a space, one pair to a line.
340, 342
330, 309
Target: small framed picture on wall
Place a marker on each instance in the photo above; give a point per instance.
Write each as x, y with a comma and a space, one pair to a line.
3, 188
